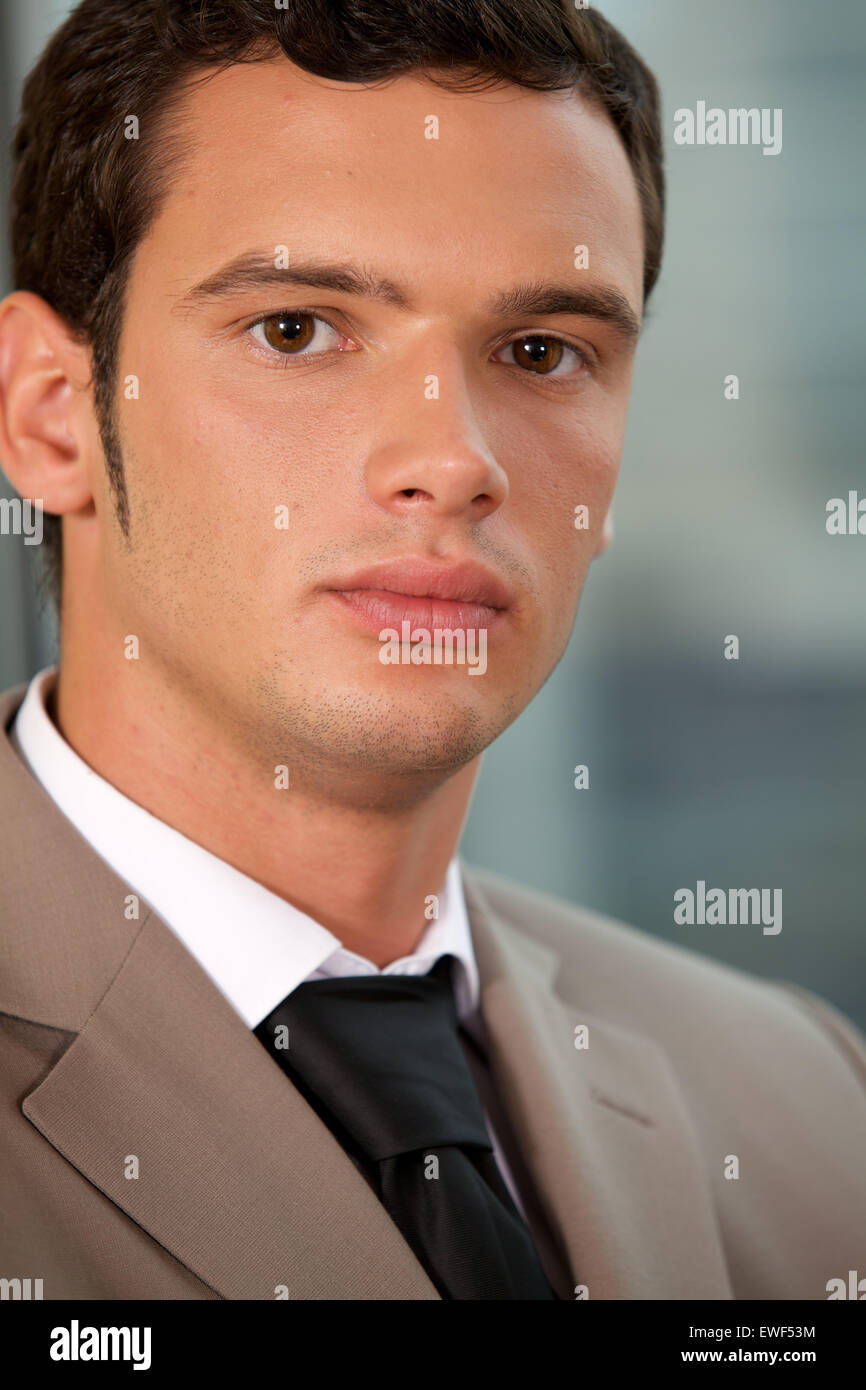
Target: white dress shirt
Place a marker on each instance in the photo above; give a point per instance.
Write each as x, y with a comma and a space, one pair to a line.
254, 946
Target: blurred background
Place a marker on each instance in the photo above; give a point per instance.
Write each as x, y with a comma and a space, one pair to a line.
748, 773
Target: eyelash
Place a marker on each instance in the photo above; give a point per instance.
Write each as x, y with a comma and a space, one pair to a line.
284, 359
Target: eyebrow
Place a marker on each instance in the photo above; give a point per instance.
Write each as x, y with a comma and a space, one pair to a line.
255, 272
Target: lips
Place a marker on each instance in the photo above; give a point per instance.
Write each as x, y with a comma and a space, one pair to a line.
429, 595
463, 582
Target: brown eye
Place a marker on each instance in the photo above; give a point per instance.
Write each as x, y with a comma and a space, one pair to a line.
539, 355
289, 331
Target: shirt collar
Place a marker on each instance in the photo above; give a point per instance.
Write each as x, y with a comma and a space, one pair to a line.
447, 935
254, 946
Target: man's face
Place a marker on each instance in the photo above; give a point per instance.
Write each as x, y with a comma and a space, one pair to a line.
386, 431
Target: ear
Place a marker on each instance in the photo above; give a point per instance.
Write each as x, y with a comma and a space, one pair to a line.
47, 427
606, 536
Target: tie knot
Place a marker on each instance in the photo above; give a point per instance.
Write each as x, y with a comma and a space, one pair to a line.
383, 1054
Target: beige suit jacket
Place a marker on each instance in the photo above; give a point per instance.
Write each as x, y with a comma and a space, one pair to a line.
115, 1043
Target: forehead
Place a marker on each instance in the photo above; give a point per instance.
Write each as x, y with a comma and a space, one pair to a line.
405, 176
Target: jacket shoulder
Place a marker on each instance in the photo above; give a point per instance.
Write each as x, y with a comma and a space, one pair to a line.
665, 990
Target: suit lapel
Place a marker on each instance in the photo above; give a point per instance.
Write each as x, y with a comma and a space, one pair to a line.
241, 1182
237, 1176
603, 1130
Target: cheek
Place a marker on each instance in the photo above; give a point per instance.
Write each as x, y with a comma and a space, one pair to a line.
565, 505
202, 471
282, 448
553, 471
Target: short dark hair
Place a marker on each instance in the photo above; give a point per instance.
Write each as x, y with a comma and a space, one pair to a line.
83, 195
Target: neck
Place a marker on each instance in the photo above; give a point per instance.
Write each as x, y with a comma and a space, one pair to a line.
356, 855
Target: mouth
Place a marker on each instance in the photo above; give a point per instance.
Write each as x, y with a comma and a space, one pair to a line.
427, 595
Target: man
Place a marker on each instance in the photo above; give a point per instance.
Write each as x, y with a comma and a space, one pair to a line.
324, 325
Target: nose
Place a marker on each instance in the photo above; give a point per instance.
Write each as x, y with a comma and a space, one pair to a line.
429, 454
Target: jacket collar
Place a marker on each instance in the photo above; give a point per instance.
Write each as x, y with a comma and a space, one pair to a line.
605, 1130
240, 1180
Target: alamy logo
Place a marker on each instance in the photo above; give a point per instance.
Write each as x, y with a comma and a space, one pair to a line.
847, 520
21, 518
856, 1287
23, 1289
75, 1343
719, 908
422, 646
736, 126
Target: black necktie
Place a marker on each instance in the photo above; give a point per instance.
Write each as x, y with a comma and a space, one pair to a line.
379, 1058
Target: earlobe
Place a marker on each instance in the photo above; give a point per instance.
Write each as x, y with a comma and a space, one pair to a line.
43, 411
606, 536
